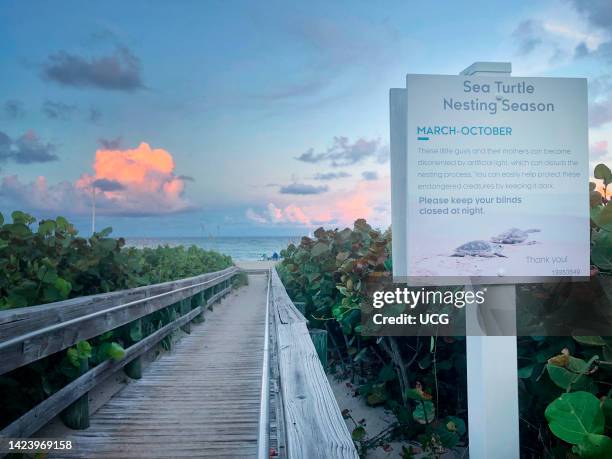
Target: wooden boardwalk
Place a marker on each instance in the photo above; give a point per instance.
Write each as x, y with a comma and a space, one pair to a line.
201, 400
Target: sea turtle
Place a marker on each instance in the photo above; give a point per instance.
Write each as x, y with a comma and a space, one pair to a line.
514, 236
478, 249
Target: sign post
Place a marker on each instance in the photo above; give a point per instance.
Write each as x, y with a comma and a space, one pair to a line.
492, 360
489, 190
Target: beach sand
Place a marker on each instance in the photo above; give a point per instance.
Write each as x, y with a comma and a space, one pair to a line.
376, 419
513, 264
255, 264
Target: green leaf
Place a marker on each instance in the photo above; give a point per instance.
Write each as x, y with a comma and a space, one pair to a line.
590, 340
18, 230
358, 433
574, 415
425, 362
136, 331
84, 349
73, 357
46, 227
105, 232
456, 424
594, 447
424, 413
1, 219
62, 223
377, 396
114, 351
526, 372
22, 217
387, 373
601, 250
63, 286
602, 172
319, 249
563, 377
360, 355
415, 394
343, 290
605, 218
606, 407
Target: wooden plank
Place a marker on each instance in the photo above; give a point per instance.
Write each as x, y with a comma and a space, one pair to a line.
286, 310
218, 296
314, 427
28, 346
201, 400
34, 419
15, 322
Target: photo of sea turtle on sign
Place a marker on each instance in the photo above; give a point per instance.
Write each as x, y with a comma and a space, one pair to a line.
515, 236
479, 249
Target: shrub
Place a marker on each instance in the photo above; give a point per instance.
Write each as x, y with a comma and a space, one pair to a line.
50, 262
421, 379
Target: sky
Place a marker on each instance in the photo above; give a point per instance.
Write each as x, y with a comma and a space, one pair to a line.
249, 118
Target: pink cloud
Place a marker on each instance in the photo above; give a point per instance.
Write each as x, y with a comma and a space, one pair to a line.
368, 199
599, 149
139, 181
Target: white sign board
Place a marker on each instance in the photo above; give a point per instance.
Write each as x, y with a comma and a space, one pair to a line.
497, 178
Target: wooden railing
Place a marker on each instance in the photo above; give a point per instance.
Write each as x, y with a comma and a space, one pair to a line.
29, 334
314, 427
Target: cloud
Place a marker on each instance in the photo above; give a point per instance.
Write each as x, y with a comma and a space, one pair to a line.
553, 38
107, 185
120, 71
26, 149
369, 175
13, 109
147, 176
255, 217
290, 214
325, 176
368, 199
528, 35
599, 149
598, 12
600, 112
58, 110
110, 144
38, 195
302, 189
94, 116
130, 182
303, 89
344, 153
5, 147
186, 178
30, 149
581, 50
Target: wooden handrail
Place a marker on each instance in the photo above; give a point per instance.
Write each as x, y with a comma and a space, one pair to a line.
314, 427
44, 412
31, 333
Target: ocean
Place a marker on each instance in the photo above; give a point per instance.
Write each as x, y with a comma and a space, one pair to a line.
239, 248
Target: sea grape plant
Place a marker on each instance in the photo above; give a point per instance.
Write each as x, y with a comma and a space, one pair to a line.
420, 379
48, 261
601, 221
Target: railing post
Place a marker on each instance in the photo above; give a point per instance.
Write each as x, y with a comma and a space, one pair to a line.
76, 416
185, 307
198, 300
319, 339
134, 368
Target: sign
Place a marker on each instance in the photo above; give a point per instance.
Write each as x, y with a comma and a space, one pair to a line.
496, 180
